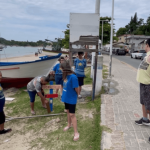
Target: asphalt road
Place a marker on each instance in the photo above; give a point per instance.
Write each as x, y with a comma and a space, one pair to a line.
127, 59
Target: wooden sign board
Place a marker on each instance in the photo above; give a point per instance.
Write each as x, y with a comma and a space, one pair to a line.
51, 87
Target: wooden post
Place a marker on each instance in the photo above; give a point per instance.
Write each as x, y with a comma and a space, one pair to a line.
48, 107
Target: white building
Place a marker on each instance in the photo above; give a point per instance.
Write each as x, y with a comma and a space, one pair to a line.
135, 40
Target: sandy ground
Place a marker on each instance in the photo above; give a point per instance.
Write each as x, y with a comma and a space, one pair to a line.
27, 57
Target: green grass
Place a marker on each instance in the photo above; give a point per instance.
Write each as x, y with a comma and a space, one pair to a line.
45, 138
87, 79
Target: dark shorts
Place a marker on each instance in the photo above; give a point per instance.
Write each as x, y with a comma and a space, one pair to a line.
70, 107
59, 81
2, 117
32, 95
2, 103
145, 95
81, 81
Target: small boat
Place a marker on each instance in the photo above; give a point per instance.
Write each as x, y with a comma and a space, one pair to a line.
18, 74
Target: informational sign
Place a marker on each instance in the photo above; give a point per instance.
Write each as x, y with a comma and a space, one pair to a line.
83, 24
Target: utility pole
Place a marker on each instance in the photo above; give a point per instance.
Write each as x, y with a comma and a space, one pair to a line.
111, 38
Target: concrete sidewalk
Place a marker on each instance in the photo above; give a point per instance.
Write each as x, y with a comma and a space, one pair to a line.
120, 109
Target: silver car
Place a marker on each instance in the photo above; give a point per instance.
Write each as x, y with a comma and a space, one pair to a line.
144, 54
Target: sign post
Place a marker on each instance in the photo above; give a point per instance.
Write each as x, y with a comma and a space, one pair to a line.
51, 99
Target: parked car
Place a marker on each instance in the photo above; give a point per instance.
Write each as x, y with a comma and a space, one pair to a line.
137, 54
120, 52
144, 54
114, 50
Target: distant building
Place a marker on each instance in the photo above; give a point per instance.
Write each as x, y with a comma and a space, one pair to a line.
122, 38
142, 45
135, 40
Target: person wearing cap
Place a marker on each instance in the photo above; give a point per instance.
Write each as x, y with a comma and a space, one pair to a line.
2, 114
69, 96
80, 64
143, 77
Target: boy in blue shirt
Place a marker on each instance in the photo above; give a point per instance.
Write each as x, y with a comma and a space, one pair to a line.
58, 74
69, 96
80, 64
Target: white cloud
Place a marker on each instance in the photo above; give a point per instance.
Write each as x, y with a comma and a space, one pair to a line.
51, 16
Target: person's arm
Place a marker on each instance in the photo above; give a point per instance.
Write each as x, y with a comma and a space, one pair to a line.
75, 62
77, 90
75, 84
42, 98
84, 63
38, 88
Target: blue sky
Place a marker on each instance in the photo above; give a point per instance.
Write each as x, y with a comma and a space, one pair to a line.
34, 20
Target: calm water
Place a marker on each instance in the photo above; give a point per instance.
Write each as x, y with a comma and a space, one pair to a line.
15, 51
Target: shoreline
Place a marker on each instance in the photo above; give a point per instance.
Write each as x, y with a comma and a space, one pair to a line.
30, 57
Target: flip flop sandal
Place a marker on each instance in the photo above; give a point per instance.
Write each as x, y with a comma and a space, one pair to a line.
5, 131
66, 128
44, 107
76, 138
33, 112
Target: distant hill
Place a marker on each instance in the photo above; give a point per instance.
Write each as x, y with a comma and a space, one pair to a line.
23, 43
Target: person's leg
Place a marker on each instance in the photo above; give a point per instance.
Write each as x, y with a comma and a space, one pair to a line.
68, 117
144, 111
74, 122
80, 88
2, 115
2, 121
32, 99
61, 90
1, 126
32, 106
146, 101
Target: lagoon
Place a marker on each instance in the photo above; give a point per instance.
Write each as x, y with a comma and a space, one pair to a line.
16, 51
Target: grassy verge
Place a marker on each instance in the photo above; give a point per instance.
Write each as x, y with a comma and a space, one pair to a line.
44, 133
87, 79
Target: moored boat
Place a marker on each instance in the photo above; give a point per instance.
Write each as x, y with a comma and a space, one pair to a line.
18, 74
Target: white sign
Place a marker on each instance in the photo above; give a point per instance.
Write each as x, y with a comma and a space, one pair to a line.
83, 24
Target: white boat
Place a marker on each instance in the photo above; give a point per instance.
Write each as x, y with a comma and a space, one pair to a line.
18, 74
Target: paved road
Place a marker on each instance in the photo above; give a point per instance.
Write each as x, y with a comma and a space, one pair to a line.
127, 59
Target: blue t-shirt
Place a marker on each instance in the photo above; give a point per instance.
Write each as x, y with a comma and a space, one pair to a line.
79, 67
1, 93
58, 71
69, 95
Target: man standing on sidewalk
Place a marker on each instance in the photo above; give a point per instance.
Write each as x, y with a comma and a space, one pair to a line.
143, 77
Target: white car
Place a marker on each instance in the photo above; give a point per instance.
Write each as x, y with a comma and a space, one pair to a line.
137, 54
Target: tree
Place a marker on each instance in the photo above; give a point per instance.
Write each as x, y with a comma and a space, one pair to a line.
106, 29
65, 41
121, 31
